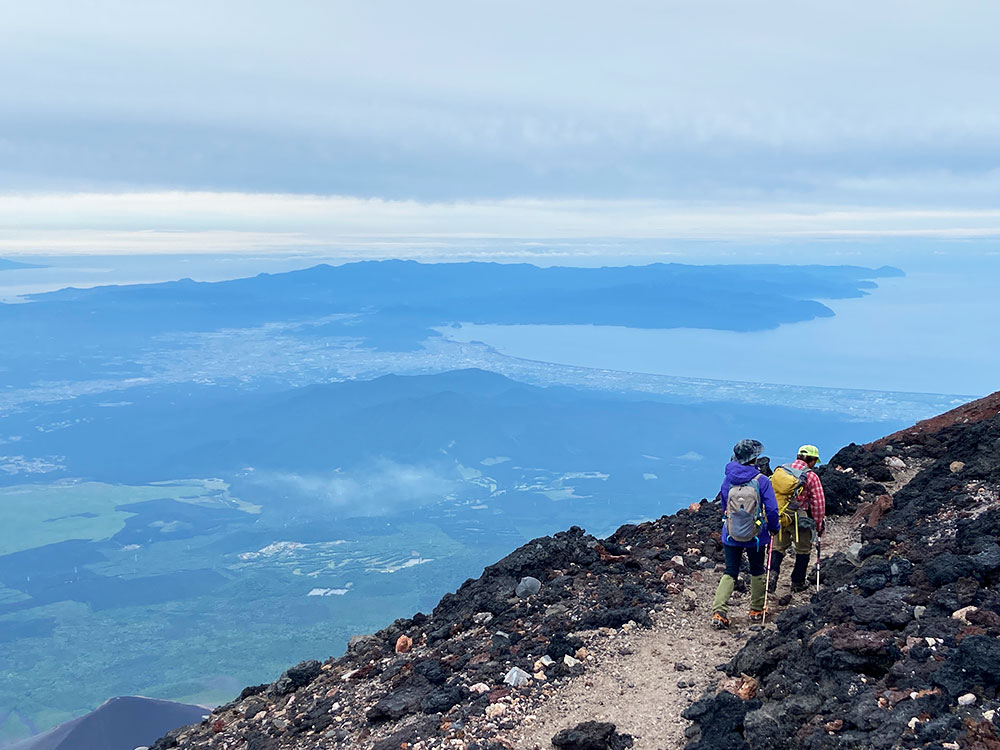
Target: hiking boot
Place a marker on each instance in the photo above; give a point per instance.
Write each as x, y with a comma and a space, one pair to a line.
799, 586
720, 621
757, 615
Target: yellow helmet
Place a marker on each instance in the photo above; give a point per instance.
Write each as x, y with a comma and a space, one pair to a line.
809, 451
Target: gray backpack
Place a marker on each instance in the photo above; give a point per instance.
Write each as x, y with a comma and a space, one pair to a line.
744, 511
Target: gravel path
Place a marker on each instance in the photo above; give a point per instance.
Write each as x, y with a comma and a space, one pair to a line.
642, 679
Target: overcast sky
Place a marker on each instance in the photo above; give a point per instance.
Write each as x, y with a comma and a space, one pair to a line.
673, 119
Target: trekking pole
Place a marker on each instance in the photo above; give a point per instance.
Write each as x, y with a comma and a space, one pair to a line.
819, 549
767, 580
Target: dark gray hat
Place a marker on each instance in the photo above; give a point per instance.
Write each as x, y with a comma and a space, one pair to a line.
747, 451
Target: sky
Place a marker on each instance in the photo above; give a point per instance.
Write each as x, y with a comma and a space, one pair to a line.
213, 126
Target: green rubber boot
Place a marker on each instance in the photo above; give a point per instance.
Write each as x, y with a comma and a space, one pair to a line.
757, 585
722, 594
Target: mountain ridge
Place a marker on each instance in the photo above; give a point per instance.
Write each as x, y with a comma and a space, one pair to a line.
903, 639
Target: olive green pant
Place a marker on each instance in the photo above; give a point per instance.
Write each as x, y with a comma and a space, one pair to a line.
802, 546
786, 538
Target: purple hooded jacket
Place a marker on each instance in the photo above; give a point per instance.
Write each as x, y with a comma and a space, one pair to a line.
737, 473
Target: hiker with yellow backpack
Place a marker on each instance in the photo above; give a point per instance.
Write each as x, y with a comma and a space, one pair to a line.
802, 510
750, 513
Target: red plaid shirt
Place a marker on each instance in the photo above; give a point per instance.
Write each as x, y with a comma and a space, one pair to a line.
812, 494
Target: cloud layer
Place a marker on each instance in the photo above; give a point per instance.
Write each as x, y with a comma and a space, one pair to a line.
190, 222
832, 103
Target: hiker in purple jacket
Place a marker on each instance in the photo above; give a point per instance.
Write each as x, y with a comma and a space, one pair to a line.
747, 527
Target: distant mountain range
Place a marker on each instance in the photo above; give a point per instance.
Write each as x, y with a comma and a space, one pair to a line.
10, 265
119, 724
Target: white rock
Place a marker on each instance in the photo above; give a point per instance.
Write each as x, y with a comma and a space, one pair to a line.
482, 618
547, 661
495, 710
479, 688
963, 613
569, 661
950, 745
894, 462
988, 715
517, 677
966, 700
677, 560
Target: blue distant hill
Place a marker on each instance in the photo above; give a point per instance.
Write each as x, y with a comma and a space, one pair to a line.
397, 305
10, 265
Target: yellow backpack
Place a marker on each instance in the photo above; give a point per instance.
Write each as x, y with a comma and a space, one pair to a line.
788, 483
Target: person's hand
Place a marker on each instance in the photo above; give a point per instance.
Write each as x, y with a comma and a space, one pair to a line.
821, 528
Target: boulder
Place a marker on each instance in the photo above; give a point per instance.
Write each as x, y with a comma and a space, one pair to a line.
528, 586
592, 735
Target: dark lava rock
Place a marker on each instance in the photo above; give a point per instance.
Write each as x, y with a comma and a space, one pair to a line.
592, 735
405, 699
718, 722
295, 677
442, 699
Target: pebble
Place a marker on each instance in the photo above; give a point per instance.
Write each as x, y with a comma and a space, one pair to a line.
495, 710
919, 610
966, 700
894, 462
677, 560
403, 644
569, 661
480, 688
517, 677
950, 745
956, 466
482, 618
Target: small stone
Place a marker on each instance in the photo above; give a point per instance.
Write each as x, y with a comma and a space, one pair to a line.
894, 462
280, 723
853, 550
687, 605
569, 661
547, 661
482, 618
681, 667
912, 723
480, 688
495, 710
403, 644
950, 745
988, 715
668, 576
677, 560
540, 675
517, 677
582, 653
966, 700
834, 726
528, 587
963, 613
956, 466
919, 610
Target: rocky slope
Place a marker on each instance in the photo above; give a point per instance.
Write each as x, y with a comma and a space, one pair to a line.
899, 649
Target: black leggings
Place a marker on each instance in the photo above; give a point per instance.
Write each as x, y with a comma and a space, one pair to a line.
734, 558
